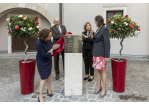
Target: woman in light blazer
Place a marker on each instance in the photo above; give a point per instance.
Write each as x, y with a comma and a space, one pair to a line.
101, 53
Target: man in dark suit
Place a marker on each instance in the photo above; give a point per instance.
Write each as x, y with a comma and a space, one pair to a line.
57, 31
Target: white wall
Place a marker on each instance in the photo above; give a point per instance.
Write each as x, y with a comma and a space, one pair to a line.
52, 8
3, 34
76, 14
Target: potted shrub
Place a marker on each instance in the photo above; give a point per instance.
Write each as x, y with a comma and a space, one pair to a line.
121, 27
22, 27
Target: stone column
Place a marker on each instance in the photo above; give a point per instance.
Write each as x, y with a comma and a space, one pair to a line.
73, 65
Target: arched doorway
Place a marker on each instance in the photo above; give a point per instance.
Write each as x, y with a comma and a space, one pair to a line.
17, 45
32, 10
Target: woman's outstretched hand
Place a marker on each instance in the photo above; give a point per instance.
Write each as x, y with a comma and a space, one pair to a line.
84, 35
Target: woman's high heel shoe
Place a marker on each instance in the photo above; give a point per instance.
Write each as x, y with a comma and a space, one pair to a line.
50, 95
101, 96
98, 91
38, 99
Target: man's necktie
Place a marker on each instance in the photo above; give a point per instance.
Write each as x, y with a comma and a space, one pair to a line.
59, 30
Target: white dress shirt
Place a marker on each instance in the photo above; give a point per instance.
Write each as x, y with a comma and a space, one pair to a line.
59, 29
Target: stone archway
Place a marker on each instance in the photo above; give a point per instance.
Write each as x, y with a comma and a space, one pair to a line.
9, 6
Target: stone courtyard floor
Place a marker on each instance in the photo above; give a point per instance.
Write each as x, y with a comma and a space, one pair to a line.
136, 89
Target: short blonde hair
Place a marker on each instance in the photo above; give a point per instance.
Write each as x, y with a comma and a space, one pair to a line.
86, 25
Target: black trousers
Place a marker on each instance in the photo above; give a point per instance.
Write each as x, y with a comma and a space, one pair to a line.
88, 60
56, 62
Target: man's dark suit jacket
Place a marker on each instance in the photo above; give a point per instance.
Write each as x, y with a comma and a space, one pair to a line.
56, 33
101, 43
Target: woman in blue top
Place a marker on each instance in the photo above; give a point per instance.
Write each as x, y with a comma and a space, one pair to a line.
45, 48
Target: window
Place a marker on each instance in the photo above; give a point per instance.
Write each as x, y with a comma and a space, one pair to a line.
112, 13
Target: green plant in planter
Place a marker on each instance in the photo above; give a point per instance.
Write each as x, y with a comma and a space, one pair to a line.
22, 26
121, 27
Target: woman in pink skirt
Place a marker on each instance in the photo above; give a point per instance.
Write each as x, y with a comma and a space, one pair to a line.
101, 53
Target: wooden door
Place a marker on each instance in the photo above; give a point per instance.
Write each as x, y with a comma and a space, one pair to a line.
19, 46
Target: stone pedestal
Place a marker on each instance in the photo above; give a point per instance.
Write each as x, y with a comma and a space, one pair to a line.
73, 65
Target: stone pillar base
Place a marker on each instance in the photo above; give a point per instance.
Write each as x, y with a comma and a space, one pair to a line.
73, 74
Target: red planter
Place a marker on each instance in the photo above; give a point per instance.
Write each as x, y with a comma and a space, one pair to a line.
118, 74
27, 74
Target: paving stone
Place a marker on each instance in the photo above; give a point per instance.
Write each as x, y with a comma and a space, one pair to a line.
61, 97
83, 100
34, 101
108, 95
56, 100
74, 99
110, 99
69, 96
92, 97
100, 99
26, 100
56, 87
84, 93
75, 96
92, 100
36, 92
115, 96
57, 91
119, 100
90, 88
48, 99
115, 93
90, 85
84, 96
34, 96
65, 101
90, 92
